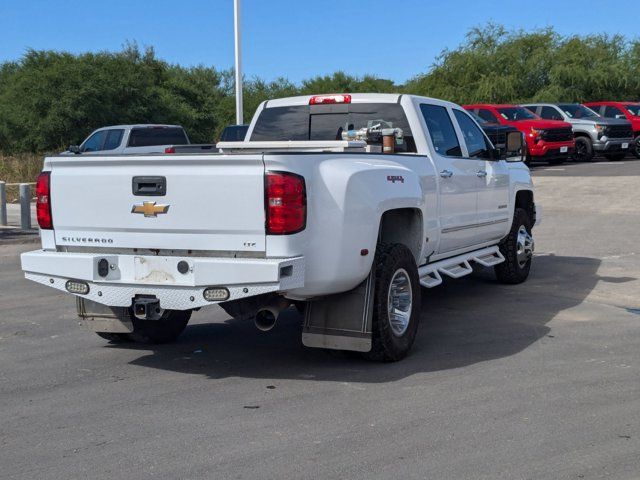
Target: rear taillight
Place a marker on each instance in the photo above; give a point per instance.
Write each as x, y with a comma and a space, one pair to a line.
170, 150
43, 201
322, 99
285, 203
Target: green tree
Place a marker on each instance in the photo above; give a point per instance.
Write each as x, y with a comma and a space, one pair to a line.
51, 99
494, 65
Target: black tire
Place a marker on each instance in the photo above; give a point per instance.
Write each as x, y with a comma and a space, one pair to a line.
636, 148
514, 270
164, 330
614, 157
584, 150
114, 337
388, 345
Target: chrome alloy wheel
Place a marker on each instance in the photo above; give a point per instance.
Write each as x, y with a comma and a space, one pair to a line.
524, 246
399, 302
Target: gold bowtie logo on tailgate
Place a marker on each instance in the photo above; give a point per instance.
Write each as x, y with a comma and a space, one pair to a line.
150, 209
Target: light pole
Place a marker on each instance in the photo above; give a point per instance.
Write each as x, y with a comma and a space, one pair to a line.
236, 25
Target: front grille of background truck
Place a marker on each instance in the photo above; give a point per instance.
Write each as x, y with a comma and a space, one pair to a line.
619, 131
558, 135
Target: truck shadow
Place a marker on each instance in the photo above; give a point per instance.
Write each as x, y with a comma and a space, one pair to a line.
463, 322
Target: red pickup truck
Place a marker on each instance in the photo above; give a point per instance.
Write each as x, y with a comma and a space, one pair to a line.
547, 140
628, 110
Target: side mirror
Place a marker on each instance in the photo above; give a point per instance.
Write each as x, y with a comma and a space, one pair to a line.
74, 149
515, 151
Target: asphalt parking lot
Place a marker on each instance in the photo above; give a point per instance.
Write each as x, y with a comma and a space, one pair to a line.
536, 381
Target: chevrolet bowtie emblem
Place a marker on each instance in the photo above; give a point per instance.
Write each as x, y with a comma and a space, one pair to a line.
150, 209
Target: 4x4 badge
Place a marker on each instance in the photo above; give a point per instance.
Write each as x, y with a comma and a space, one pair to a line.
150, 209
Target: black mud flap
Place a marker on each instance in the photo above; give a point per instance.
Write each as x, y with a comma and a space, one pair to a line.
96, 317
341, 321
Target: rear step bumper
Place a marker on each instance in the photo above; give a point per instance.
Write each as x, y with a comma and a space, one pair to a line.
131, 275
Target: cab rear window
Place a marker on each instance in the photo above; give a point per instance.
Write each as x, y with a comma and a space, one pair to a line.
327, 122
147, 137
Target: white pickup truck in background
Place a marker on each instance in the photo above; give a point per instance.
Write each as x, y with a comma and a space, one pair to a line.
120, 139
344, 203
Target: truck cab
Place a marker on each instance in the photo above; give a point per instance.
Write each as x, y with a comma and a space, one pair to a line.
611, 137
547, 140
621, 110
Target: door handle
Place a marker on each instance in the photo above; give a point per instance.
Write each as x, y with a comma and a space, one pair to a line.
481, 173
446, 174
149, 186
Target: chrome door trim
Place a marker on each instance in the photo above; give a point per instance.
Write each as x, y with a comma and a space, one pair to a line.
474, 225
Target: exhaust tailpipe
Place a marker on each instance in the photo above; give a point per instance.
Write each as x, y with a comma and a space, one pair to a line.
267, 316
266, 319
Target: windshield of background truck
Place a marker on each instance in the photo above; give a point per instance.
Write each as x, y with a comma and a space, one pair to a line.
479, 119
327, 122
514, 114
633, 109
575, 110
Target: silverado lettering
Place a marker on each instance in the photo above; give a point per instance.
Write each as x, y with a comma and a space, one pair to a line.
86, 240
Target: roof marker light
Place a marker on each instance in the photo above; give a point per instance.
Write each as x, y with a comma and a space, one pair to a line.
325, 99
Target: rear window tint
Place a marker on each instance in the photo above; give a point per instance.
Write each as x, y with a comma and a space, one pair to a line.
146, 137
282, 123
327, 122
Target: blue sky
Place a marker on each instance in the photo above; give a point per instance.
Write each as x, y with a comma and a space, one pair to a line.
295, 39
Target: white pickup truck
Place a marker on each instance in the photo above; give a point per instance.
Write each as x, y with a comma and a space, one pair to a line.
119, 139
343, 204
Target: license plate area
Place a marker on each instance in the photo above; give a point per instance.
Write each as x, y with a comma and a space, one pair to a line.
564, 149
625, 146
161, 271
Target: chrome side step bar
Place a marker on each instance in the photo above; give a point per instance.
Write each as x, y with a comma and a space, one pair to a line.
456, 267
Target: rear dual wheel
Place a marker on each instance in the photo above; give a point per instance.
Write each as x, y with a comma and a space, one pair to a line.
396, 308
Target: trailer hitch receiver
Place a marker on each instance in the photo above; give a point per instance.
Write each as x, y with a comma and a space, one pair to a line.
147, 308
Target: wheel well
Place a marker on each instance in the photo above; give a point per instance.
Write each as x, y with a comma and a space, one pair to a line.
403, 225
524, 200
582, 134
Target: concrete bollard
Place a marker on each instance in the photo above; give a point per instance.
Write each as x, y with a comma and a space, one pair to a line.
25, 206
3, 203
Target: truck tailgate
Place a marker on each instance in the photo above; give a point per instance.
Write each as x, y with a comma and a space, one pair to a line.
211, 203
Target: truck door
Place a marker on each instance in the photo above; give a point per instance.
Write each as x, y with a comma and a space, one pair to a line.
492, 177
458, 180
